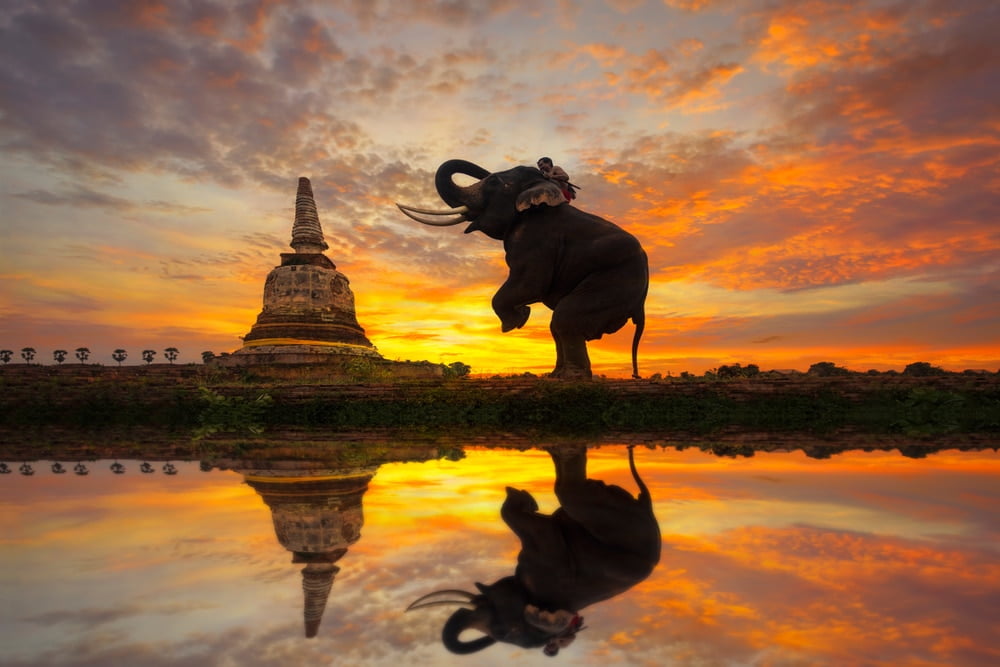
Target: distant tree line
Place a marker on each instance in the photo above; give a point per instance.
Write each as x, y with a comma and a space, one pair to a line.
83, 355
459, 369
830, 369
820, 369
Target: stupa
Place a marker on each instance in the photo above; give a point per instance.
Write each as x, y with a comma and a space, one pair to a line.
308, 313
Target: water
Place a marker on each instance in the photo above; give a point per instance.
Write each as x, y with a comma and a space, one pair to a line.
778, 559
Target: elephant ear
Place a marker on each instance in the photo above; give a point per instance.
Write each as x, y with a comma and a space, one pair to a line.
544, 192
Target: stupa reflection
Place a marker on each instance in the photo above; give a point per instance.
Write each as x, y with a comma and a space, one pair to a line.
317, 514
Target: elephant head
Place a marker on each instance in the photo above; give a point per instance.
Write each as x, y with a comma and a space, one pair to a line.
598, 544
498, 611
491, 203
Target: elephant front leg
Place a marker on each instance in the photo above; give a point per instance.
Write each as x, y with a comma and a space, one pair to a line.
512, 314
536, 531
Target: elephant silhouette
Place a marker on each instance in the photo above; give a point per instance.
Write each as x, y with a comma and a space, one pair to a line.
592, 273
601, 542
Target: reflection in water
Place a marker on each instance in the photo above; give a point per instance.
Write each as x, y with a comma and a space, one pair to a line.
598, 544
864, 558
317, 515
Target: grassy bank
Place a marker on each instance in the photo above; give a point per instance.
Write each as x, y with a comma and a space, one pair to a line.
205, 402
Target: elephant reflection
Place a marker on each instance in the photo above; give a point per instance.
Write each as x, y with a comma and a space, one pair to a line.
598, 544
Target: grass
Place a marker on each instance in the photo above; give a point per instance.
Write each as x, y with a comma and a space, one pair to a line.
208, 405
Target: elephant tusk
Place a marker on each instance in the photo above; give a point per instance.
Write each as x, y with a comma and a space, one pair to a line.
430, 211
419, 214
441, 603
429, 601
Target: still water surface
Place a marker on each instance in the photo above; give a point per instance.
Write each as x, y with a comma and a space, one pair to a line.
777, 559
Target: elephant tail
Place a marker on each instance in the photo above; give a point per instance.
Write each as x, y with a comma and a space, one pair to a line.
644, 496
639, 319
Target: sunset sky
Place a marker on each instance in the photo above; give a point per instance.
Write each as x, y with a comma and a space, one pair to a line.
813, 181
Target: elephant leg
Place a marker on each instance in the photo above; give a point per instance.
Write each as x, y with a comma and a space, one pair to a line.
537, 532
571, 467
560, 360
572, 360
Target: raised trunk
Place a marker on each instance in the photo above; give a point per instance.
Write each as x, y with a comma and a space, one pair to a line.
456, 195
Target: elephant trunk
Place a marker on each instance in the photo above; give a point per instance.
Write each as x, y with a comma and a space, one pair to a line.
461, 620
456, 195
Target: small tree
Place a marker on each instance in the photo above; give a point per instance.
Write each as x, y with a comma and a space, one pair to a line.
59, 356
5, 356
28, 354
119, 355
825, 369
207, 356
922, 369
457, 369
727, 371
147, 356
171, 354
738, 371
82, 354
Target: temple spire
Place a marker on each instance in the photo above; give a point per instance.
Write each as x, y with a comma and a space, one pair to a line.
307, 234
317, 580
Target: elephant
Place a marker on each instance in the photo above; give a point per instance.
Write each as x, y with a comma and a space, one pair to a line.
591, 273
601, 542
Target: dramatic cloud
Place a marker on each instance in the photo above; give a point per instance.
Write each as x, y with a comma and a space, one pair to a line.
771, 155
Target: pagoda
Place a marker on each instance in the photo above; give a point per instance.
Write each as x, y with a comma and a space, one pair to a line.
308, 313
